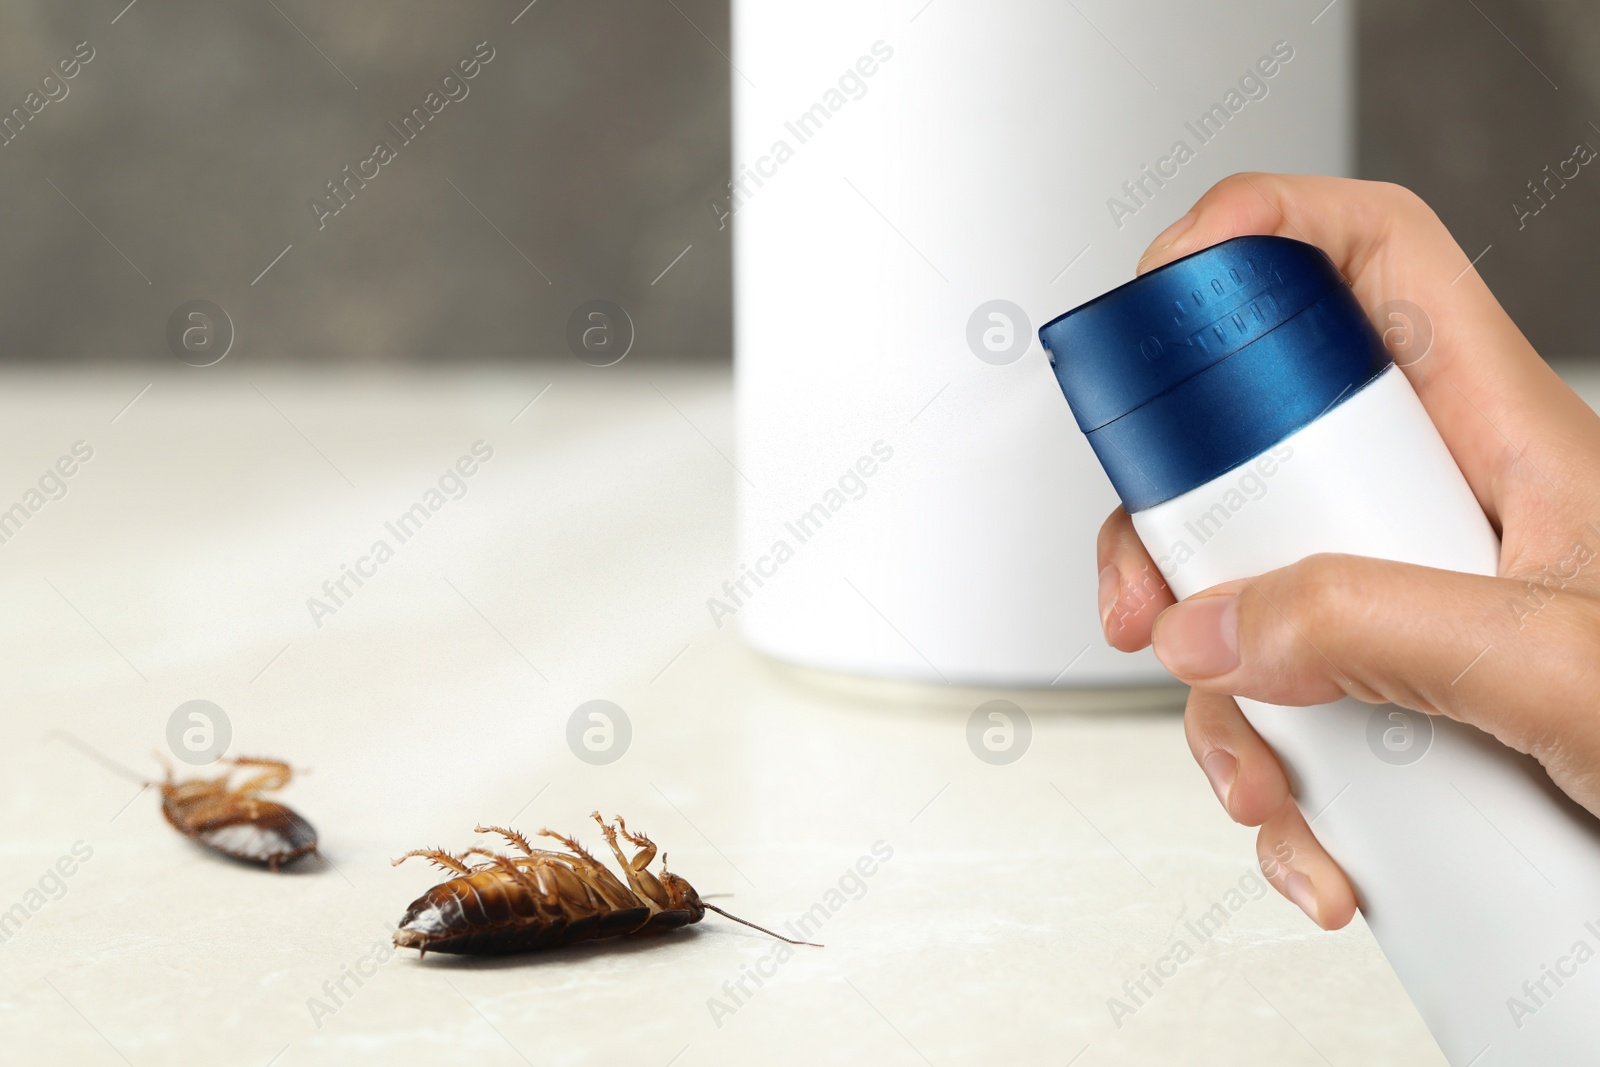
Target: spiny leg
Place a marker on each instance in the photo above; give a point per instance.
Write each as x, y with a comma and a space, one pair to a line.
518, 875
582, 856
647, 847
576, 884
594, 872
640, 890
275, 775
207, 804
258, 761
510, 835
439, 857
611, 839
541, 857
544, 857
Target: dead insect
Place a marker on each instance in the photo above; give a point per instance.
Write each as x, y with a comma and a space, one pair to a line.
238, 822
541, 898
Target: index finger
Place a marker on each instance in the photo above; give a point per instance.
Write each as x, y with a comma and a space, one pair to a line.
1132, 590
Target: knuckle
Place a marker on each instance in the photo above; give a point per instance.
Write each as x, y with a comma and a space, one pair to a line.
1397, 196
1402, 202
1584, 635
1574, 637
1211, 720
1555, 625
1245, 185
1275, 852
1205, 733
1112, 533
1107, 535
1313, 593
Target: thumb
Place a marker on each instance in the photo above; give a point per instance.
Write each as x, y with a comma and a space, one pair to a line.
1510, 657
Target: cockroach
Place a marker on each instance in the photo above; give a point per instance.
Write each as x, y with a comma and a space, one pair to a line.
238, 822
541, 898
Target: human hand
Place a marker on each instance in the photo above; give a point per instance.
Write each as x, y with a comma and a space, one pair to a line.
1516, 655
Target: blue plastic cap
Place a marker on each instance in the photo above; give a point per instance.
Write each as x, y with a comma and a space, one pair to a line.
1198, 367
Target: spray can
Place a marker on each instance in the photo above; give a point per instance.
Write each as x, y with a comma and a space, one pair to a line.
1249, 415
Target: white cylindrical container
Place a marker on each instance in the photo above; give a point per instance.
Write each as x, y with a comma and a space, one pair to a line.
1250, 417
914, 182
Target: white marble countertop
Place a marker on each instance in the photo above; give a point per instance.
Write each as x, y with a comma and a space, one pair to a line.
1016, 903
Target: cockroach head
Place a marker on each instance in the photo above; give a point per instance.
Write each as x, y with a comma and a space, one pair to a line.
682, 895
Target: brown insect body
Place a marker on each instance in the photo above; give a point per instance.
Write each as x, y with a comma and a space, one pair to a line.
543, 898
239, 822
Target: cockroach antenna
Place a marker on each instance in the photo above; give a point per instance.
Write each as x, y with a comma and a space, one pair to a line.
753, 926
99, 757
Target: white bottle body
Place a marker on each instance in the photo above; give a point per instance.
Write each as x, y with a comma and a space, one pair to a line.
1475, 874
856, 275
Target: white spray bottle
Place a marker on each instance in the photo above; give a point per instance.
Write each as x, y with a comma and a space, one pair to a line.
1249, 416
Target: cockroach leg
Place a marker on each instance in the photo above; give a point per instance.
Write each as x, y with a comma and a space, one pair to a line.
591, 870
647, 847
495, 859
510, 835
610, 833
516, 874
540, 856
437, 856
629, 870
275, 776
576, 848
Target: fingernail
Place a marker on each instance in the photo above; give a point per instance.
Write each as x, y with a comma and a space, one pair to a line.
1199, 638
1299, 889
1110, 586
1221, 768
1167, 237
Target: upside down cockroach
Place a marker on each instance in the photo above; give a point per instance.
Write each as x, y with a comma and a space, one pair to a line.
542, 898
239, 822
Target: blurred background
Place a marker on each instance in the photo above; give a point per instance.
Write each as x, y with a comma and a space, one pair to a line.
584, 163
394, 315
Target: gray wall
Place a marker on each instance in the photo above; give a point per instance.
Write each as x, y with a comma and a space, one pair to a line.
593, 142
200, 130
1467, 106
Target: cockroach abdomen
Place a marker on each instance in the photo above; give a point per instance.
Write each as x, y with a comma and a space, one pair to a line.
275, 836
